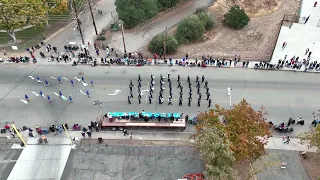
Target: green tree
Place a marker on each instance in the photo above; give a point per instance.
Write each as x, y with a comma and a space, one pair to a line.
236, 18
190, 29
242, 126
165, 4
156, 44
218, 157
16, 14
55, 6
206, 19
135, 12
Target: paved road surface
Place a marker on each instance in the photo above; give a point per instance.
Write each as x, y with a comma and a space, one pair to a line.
283, 94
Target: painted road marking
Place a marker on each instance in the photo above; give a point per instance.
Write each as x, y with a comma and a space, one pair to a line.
24, 101
39, 81
52, 77
31, 77
64, 98
65, 78
77, 79
115, 92
84, 84
35, 93
56, 93
142, 92
82, 92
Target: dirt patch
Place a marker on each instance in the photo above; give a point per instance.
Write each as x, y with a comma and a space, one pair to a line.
312, 164
254, 42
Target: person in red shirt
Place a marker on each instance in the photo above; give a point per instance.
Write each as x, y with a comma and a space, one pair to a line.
7, 127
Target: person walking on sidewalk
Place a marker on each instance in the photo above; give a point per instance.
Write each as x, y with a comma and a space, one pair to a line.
284, 44
60, 93
92, 83
70, 99
72, 83
287, 141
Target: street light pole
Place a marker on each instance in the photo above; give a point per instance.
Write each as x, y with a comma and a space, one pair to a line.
79, 25
93, 21
229, 94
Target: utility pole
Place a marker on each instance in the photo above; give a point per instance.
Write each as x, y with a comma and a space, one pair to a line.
124, 43
165, 44
79, 25
93, 21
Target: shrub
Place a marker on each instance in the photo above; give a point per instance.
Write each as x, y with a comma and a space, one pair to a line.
206, 20
236, 18
190, 29
156, 44
101, 38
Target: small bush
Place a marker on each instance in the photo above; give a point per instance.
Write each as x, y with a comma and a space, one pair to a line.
190, 29
236, 18
101, 38
206, 20
156, 44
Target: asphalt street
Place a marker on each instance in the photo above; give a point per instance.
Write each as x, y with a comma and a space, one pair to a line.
283, 94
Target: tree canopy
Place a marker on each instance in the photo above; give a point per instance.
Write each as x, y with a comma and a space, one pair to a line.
165, 4
135, 12
56, 6
236, 17
16, 14
190, 29
156, 44
242, 126
215, 151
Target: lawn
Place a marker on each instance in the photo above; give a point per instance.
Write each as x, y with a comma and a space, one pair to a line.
24, 35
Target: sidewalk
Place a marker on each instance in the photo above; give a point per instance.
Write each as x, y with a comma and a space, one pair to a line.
273, 142
228, 64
